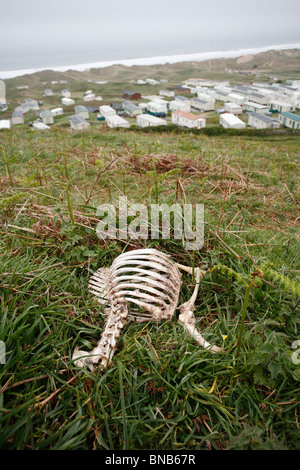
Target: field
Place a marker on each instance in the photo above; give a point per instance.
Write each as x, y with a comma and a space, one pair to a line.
162, 391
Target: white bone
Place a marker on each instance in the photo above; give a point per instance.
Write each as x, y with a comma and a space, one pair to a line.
149, 280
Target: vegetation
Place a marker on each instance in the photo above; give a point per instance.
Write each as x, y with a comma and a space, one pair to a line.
162, 391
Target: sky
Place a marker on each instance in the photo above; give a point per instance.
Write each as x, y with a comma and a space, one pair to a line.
33, 32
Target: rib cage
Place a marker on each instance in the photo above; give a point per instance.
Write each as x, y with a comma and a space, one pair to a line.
146, 279
144, 285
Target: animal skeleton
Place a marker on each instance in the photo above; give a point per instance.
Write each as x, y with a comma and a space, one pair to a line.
141, 284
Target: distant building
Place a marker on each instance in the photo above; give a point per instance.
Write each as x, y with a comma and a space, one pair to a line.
2, 92
116, 106
131, 109
158, 109
255, 107
168, 93
66, 93
90, 97
151, 81
236, 98
131, 95
114, 121
57, 111
40, 126
47, 116
233, 108
147, 120
258, 98
202, 105
48, 92
23, 108
78, 123
17, 117
177, 105
33, 104
181, 89
261, 121
106, 110
230, 121
281, 107
92, 109
5, 124
221, 95
67, 101
82, 111
290, 120
189, 120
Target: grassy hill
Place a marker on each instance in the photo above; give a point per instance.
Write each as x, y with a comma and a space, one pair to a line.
163, 391
279, 63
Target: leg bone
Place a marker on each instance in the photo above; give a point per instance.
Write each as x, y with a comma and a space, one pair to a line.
186, 316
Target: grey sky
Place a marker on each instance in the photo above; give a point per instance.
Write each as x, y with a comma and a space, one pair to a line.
145, 25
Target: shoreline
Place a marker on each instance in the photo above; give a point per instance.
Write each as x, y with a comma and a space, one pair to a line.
157, 60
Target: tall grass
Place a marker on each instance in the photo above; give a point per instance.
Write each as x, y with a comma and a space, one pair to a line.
162, 391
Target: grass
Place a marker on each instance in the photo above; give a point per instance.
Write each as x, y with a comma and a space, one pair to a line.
162, 391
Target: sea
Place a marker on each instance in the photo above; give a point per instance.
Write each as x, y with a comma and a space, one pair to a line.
16, 68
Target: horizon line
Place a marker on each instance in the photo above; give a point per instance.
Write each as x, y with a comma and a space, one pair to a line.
154, 60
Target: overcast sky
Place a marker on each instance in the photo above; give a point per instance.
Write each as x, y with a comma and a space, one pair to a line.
142, 27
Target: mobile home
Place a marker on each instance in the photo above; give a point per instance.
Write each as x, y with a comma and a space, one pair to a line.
236, 98
33, 104
233, 108
67, 101
57, 111
17, 117
176, 105
40, 126
81, 111
90, 97
202, 105
131, 95
146, 120
258, 98
158, 109
255, 107
131, 109
66, 93
2, 92
189, 120
78, 123
47, 116
116, 121
167, 93
290, 120
230, 121
23, 108
261, 121
106, 110
5, 124
281, 107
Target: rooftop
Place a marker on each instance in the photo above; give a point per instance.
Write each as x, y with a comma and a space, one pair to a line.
262, 117
191, 116
293, 116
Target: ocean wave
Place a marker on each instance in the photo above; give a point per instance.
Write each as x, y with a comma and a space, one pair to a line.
172, 59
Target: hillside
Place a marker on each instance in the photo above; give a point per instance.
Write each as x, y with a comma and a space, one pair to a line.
162, 390
277, 62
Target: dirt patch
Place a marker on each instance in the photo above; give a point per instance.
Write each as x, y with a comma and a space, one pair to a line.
244, 59
162, 163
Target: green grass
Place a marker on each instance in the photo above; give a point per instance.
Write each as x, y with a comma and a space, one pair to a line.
162, 391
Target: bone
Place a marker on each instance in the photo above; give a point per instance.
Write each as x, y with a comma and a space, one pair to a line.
148, 280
